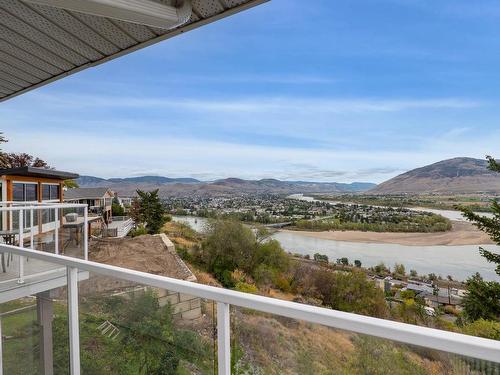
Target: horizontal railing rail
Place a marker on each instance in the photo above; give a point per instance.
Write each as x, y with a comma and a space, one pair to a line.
121, 218
445, 341
40, 206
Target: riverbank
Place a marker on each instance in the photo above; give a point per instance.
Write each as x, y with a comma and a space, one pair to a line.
462, 233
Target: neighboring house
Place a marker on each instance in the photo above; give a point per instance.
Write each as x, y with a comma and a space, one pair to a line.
30, 184
35, 185
125, 201
99, 200
420, 288
442, 300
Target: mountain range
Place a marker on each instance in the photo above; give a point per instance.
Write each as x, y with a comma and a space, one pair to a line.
460, 175
455, 176
229, 186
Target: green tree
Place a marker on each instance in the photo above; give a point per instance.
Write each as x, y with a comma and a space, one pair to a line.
381, 269
3, 159
489, 225
357, 263
71, 184
272, 254
482, 300
17, 160
228, 246
116, 208
320, 258
351, 292
147, 209
147, 332
399, 269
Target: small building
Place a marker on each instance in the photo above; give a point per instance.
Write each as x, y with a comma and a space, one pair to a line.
31, 185
420, 288
125, 201
442, 300
99, 200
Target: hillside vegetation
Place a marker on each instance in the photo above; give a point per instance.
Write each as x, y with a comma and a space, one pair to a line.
267, 344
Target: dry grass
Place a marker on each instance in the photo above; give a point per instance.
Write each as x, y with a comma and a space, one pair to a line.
286, 346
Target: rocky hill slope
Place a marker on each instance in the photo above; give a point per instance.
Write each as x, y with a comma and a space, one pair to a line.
455, 176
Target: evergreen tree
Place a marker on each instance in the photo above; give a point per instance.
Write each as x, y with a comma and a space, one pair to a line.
148, 209
483, 298
486, 224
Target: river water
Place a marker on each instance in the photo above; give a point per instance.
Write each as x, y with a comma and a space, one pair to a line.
457, 261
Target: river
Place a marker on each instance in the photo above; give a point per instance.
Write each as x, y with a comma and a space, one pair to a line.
457, 261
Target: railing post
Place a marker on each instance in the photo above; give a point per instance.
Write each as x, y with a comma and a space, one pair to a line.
85, 233
223, 339
21, 245
31, 231
73, 321
56, 231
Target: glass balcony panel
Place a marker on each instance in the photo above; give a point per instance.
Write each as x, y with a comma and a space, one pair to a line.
128, 328
20, 336
40, 231
34, 328
262, 343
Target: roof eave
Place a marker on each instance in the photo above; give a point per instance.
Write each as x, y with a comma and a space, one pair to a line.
180, 30
39, 172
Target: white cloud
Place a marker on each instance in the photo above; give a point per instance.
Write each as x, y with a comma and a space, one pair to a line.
257, 105
128, 155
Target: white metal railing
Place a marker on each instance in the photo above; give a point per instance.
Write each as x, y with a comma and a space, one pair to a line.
445, 341
23, 209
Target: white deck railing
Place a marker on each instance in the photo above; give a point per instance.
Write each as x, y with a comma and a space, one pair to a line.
22, 231
445, 341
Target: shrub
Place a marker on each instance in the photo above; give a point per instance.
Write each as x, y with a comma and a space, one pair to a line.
246, 288
320, 258
483, 328
399, 269
283, 284
230, 246
139, 231
349, 291
407, 294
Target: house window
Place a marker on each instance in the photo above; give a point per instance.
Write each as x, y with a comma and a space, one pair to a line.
45, 192
22, 192
54, 192
50, 192
31, 192
18, 192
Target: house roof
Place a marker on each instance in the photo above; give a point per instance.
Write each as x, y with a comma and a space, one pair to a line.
42, 43
420, 288
38, 172
444, 300
85, 193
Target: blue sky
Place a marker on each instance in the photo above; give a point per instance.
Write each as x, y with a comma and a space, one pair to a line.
347, 90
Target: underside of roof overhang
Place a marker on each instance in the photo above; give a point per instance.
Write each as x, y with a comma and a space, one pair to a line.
40, 43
